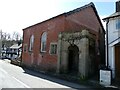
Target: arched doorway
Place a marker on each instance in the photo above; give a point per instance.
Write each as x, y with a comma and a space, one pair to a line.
73, 59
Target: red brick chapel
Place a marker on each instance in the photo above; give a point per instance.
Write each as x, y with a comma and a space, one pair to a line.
72, 42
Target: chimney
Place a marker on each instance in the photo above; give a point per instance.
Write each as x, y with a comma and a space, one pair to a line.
118, 6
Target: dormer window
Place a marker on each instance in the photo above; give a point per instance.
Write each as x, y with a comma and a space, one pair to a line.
118, 24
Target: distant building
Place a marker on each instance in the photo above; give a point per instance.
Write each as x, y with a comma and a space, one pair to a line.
14, 51
113, 44
71, 43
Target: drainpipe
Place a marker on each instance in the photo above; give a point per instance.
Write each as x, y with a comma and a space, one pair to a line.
107, 49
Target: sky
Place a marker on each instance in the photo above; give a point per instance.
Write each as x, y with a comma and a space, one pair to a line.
16, 15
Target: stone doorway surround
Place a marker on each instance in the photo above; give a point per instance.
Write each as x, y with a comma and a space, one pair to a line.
83, 40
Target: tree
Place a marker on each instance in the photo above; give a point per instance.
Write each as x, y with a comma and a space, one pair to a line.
4, 36
16, 36
6, 39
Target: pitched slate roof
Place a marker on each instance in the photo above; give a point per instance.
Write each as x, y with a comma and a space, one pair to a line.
79, 9
116, 14
16, 46
74, 11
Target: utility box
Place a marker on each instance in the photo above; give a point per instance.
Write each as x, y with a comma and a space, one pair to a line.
105, 77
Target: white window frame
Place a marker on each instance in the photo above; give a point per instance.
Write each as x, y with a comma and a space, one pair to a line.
50, 51
43, 40
31, 43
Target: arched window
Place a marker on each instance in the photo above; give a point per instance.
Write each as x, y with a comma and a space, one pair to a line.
43, 42
31, 43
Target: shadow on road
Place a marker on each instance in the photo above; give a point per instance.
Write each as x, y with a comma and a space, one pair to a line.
54, 79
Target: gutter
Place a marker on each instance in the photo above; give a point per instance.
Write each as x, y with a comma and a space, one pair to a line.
111, 17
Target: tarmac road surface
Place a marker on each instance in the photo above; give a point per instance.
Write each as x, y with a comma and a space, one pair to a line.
12, 76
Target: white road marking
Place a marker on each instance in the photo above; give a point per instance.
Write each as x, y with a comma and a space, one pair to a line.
26, 86
21, 82
3, 71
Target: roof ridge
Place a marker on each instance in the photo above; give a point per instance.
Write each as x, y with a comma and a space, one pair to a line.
66, 13
79, 9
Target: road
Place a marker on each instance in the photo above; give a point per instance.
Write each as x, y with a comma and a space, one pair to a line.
12, 76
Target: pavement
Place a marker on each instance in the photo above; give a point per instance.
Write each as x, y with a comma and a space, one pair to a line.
7, 60
115, 84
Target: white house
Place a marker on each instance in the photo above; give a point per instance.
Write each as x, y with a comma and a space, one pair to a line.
113, 41
14, 51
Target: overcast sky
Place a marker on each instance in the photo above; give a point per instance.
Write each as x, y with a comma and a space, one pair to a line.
16, 15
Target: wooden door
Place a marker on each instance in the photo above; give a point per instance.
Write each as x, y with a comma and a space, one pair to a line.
117, 60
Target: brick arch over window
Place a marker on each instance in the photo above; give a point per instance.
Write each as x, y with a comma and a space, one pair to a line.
43, 42
31, 43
